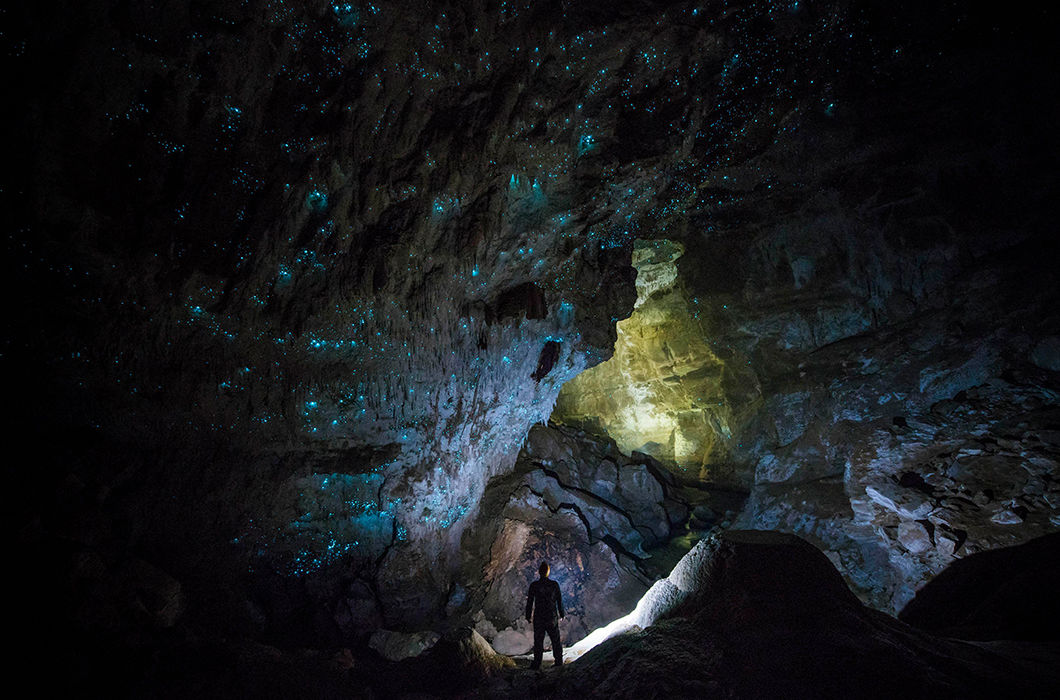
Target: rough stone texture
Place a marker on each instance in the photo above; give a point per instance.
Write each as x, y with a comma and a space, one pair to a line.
965, 476
764, 614
662, 391
873, 330
292, 282
687, 582
396, 646
461, 659
592, 513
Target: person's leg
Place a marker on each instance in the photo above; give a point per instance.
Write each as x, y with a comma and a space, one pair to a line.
557, 648
539, 645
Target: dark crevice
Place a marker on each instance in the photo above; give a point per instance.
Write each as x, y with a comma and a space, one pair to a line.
567, 487
546, 361
608, 540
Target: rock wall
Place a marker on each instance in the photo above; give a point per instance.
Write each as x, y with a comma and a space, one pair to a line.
299, 278
596, 516
873, 326
665, 392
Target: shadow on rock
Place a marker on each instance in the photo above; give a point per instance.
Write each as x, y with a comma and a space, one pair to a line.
1007, 593
461, 660
765, 614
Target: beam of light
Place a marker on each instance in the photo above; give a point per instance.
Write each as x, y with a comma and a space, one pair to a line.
663, 596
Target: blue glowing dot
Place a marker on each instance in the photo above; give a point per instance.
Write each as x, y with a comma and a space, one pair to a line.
317, 201
346, 14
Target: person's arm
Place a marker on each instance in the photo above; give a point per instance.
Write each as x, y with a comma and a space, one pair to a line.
559, 601
529, 602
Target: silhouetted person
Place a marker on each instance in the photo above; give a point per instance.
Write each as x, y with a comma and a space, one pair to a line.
546, 603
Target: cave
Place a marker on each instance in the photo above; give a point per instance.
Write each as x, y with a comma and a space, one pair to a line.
336, 319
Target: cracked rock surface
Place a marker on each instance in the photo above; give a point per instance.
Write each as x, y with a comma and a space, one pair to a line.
585, 508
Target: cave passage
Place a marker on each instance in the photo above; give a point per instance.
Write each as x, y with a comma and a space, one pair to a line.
332, 320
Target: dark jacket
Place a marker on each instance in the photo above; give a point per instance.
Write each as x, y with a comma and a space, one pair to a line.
545, 601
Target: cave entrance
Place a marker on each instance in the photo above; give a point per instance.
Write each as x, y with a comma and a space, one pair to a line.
661, 393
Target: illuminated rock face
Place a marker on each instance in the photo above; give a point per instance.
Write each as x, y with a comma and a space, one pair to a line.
591, 512
863, 342
663, 393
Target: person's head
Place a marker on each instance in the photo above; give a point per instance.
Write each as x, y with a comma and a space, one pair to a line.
543, 569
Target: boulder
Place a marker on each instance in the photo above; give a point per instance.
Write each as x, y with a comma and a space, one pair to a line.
1007, 593
1006, 516
748, 568
395, 646
914, 537
460, 659
513, 642
751, 614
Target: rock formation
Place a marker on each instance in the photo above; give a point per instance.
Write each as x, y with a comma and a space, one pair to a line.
589, 511
760, 614
1002, 593
293, 283
751, 614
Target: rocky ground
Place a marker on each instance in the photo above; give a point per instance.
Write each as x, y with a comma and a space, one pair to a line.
746, 614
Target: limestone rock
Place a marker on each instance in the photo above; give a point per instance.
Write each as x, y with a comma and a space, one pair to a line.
1006, 516
906, 503
947, 545
284, 340
1006, 593
767, 615
395, 646
713, 570
513, 642
463, 658
589, 511
662, 393
914, 537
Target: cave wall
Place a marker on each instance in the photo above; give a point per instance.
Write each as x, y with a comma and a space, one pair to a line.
598, 517
878, 317
665, 392
298, 278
